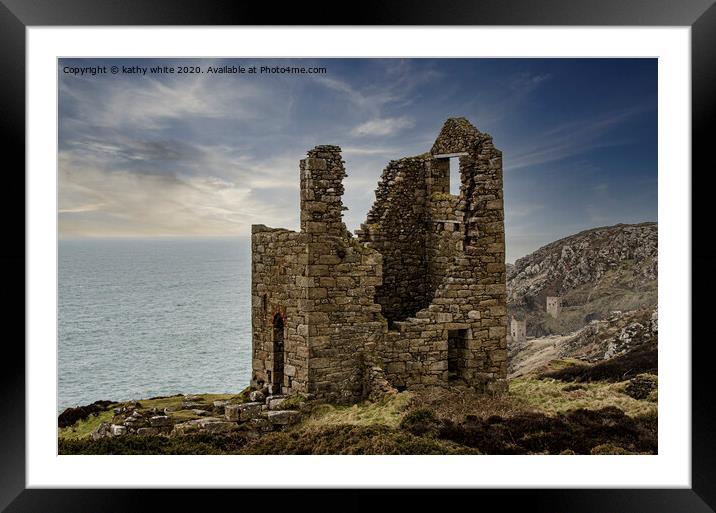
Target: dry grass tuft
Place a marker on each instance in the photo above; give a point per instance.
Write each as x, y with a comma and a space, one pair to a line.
387, 413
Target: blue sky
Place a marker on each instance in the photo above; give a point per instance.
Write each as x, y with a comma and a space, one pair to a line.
209, 155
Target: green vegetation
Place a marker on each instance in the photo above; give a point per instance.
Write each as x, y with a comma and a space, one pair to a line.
539, 415
553, 396
83, 428
386, 413
200, 443
352, 439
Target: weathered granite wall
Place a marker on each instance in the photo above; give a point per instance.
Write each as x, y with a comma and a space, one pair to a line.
461, 333
445, 237
278, 265
341, 318
396, 228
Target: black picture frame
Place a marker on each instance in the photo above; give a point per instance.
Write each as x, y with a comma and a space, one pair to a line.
17, 15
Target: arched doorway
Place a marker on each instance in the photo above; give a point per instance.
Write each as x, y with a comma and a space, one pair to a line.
278, 354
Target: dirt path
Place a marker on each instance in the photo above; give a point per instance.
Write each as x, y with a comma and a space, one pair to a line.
535, 353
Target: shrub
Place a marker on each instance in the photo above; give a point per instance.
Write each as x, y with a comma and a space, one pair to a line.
72, 415
420, 421
641, 360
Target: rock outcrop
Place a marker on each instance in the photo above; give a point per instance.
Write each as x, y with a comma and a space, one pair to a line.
593, 273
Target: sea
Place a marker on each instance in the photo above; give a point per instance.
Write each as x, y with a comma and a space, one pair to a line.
144, 318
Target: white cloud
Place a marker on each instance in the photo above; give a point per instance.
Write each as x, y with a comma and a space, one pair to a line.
96, 201
383, 126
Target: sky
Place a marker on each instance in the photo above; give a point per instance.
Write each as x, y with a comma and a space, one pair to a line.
208, 155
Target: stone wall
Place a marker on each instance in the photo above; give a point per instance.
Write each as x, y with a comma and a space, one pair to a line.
465, 318
445, 237
341, 318
278, 265
396, 228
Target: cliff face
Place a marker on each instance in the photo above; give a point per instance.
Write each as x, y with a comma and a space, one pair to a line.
594, 272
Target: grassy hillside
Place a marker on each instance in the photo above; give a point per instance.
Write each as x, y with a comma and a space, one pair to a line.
539, 415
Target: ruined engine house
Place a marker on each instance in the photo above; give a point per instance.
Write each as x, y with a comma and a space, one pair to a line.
416, 298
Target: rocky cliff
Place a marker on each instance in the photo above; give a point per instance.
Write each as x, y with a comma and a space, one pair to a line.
594, 272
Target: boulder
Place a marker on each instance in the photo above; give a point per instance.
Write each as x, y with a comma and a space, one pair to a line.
102, 431
134, 422
257, 396
118, 430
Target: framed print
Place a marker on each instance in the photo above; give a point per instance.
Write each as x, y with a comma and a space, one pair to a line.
407, 253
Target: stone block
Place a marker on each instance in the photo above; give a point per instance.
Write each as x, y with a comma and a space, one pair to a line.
160, 421
250, 410
218, 426
282, 417
497, 331
275, 403
443, 317
232, 412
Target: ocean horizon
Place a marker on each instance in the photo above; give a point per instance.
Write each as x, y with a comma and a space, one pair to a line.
139, 318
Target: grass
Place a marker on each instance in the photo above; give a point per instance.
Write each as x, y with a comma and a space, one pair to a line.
83, 428
538, 416
385, 413
549, 396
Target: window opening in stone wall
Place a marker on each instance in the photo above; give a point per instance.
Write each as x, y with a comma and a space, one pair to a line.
456, 345
278, 354
455, 180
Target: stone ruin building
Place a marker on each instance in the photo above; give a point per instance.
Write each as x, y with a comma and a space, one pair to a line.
554, 306
518, 330
416, 298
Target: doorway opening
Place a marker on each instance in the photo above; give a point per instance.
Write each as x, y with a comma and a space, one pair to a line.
278, 354
457, 343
